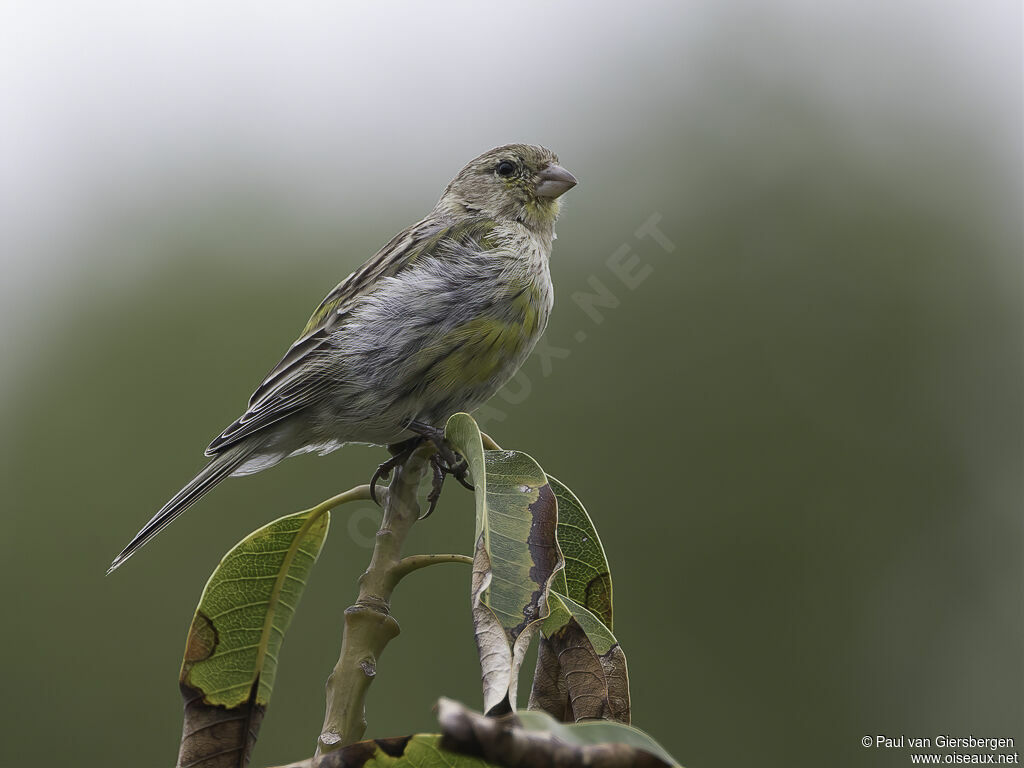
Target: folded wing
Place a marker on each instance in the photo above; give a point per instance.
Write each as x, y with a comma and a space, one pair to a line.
307, 373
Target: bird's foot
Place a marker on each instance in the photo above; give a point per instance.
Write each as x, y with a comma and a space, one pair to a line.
442, 468
454, 465
399, 453
443, 463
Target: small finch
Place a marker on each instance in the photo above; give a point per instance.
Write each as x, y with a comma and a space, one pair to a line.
435, 323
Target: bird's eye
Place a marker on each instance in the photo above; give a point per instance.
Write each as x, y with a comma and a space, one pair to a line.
505, 168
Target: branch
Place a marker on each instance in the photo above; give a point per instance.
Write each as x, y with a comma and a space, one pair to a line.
358, 493
407, 565
369, 625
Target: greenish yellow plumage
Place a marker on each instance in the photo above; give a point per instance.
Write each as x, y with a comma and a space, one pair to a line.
473, 353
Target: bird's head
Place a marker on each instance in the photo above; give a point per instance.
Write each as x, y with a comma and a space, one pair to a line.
517, 182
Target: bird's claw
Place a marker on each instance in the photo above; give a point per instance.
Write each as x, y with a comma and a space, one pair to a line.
399, 453
444, 461
436, 486
459, 471
442, 467
383, 471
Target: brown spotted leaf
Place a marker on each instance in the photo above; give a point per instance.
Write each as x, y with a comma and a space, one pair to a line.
524, 740
581, 669
534, 740
516, 556
420, 751
230, 662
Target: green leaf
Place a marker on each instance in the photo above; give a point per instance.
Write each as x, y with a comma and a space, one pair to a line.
230, 662
528, 739
581, 670
595, 732
586, 577
420, 751
515, 558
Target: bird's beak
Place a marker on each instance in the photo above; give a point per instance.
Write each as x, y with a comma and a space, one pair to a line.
554, 181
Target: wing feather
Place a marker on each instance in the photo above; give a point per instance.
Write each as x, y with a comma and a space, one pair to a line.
300, 378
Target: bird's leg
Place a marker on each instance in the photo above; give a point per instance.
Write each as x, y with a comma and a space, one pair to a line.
399, 453
437, 466
451, 462
443, 462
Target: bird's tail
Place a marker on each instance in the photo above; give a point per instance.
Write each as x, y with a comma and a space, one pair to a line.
219, 467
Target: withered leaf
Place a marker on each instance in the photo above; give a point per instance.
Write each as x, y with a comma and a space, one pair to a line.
535, 740
581, 669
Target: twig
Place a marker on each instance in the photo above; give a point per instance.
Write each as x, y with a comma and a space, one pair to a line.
358, 493
407, 565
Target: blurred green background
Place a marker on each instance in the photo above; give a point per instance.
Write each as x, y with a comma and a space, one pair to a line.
801, 436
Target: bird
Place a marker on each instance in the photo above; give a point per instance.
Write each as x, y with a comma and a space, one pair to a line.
434, 323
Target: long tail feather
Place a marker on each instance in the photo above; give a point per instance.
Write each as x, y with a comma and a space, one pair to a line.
219, 468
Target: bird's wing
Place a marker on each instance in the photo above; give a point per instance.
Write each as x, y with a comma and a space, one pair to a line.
300, 378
